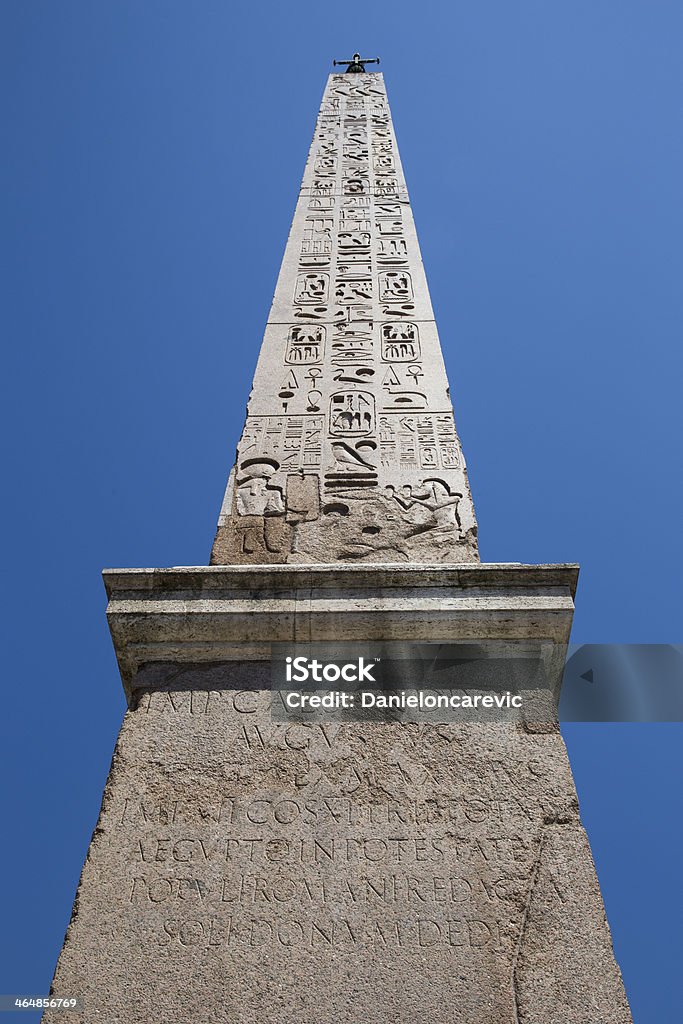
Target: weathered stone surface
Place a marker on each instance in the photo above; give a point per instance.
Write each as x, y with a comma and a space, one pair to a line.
244, 870
349, 451
250, 870
207, 614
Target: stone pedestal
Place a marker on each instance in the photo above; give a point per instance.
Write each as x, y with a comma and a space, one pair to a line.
247, 870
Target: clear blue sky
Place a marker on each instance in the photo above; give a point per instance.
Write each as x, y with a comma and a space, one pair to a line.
152, 154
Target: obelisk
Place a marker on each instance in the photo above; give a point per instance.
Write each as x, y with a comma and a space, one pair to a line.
349, 452
246, 869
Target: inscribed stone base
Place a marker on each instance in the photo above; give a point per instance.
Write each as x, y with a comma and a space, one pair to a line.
248, 871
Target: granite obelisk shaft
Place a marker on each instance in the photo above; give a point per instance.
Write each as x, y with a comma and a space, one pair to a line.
349, 451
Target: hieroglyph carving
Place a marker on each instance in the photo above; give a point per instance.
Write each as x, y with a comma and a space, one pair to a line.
352, 413
305, 345
400, 342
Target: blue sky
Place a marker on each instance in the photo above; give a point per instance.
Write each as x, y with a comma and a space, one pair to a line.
152, 154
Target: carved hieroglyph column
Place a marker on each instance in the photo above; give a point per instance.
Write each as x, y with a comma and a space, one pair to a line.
250, 870
349, 451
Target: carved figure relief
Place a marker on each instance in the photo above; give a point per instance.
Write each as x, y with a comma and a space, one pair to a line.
435, 498
255, 496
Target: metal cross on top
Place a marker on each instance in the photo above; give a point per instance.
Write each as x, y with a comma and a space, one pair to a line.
357, 65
